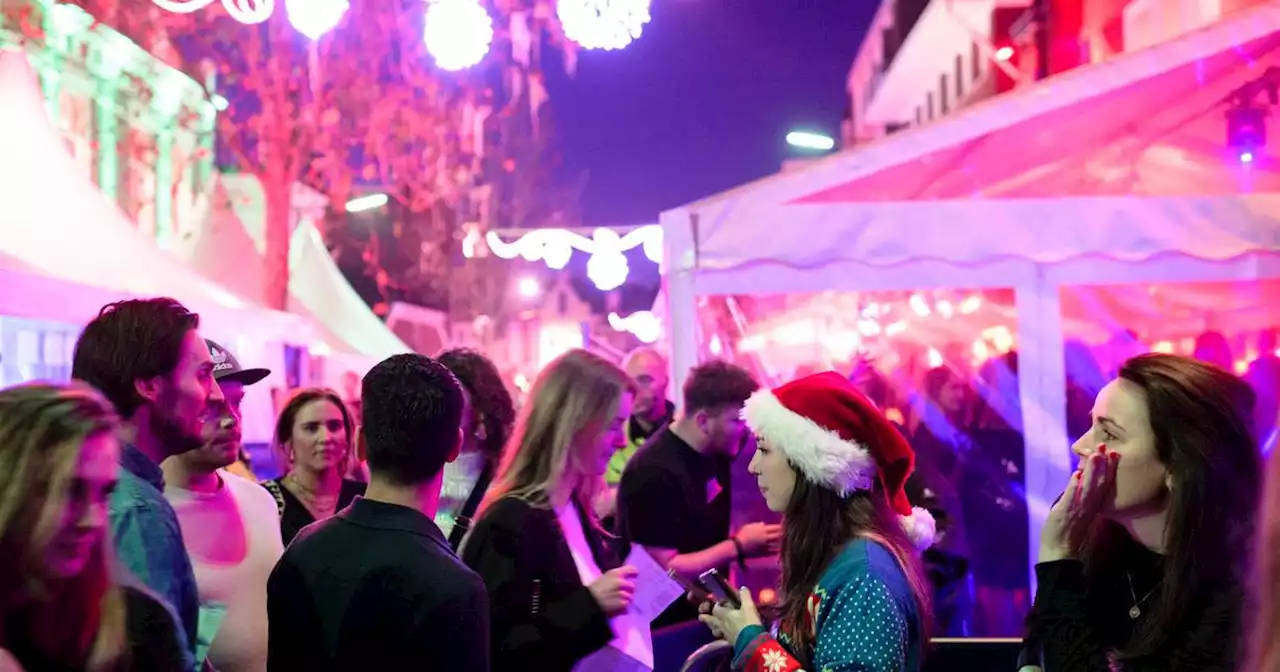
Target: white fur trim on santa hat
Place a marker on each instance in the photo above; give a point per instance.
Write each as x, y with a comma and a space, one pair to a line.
820, 454
920, 527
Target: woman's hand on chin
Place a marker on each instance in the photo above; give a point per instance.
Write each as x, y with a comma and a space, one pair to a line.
1088, 490
726, 622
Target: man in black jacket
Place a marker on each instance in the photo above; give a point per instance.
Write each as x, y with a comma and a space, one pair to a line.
377, 586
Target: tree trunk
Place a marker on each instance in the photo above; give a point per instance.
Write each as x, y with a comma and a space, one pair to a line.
279, 196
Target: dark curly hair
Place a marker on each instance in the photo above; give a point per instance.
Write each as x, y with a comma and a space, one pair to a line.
490, 398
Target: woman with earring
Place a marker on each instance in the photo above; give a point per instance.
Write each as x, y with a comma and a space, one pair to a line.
313, 439
551, 570
854, 596
1143, 559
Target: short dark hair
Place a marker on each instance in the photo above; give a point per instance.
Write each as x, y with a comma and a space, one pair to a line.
130, 341
489, 396
411, 409
717, 384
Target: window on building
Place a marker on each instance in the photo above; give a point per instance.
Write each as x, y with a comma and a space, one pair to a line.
959, 77
977, 61
944, 95
919, 115
929, 98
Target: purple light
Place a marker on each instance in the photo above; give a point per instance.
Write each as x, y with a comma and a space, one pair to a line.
458, 33
314, 18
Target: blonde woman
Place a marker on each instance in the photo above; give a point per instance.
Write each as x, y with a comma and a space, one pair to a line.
313, 440
1263, 654
551, 571
60, 608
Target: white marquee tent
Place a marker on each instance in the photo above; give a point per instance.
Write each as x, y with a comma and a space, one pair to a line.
229, 247
65, 249
1110, 174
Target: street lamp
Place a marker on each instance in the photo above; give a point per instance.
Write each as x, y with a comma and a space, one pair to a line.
528, 288
812, 141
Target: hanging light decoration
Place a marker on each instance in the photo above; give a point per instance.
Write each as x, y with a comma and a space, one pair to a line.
603, 24
314, 18
244, 11
457, 33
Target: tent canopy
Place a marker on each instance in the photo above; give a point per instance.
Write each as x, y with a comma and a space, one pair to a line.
229, 247
1047, 174
71, 241
1110, 174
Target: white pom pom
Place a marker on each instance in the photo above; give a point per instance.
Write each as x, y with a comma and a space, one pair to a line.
920, 528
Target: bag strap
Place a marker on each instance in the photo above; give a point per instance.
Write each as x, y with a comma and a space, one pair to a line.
273, 487
463, 522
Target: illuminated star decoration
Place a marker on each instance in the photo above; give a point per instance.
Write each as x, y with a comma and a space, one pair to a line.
457, 33
603, 24
244, 11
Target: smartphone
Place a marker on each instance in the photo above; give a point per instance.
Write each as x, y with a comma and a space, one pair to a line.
696, 593
719, 587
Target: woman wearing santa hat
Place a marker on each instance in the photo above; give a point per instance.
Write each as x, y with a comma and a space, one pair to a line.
854, 596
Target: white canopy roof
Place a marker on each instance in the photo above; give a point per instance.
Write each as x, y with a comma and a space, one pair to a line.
65, 249
229, 247
1112, 173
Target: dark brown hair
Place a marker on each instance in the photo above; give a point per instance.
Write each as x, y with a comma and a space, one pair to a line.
717, 384
817, 524
1200, 418
490, 400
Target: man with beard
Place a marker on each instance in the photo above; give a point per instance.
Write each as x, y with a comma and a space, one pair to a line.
229, 526
146, 357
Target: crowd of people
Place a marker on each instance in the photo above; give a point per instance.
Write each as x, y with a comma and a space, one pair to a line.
437, 526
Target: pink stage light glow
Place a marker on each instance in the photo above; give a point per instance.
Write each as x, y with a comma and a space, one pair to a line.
314, 18
458, 33
603, 24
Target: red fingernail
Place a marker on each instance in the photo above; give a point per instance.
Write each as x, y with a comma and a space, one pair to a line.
1102, 448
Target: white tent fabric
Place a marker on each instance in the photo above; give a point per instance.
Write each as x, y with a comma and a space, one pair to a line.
1113, 173
74, 250
229, 248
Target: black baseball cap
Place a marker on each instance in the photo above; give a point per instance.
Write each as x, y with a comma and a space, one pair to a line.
227, 367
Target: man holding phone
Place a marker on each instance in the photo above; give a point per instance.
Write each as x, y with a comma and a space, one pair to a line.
674, 497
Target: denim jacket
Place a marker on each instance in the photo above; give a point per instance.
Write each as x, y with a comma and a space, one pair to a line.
148, 541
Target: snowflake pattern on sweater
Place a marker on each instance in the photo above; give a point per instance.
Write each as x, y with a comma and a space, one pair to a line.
863, 613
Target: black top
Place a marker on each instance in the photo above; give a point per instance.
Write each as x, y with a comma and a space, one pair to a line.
543, 617
151, 639
673, 497
294, 514
376, 587
1077, 626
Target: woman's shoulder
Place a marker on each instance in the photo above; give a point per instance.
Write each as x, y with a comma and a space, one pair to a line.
512, 512
862, 560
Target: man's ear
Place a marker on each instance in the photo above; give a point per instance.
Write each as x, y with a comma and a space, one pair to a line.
149, 388
457, 448
359, 441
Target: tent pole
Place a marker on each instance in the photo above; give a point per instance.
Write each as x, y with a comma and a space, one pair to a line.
680, 258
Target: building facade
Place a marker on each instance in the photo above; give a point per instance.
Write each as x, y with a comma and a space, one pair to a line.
922, 60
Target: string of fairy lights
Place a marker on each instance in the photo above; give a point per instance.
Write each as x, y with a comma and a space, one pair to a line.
457, 33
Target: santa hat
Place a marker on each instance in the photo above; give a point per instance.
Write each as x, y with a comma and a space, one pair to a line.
837, 438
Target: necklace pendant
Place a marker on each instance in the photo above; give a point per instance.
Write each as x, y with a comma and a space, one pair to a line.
1134, 612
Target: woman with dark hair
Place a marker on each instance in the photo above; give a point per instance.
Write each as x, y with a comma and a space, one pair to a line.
313, 441
486, 426
854, 596
1143, 558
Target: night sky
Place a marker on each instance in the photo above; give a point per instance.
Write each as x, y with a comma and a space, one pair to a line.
702, 101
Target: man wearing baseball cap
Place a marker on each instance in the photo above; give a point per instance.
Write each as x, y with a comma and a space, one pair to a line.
229, 527
233, 378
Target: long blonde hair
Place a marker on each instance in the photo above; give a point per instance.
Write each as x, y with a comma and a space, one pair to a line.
1263, 654
577, 391
43, 427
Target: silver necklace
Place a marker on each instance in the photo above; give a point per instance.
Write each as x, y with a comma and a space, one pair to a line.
1136, 610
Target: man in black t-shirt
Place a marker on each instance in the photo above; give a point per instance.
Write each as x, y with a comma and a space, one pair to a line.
674, 496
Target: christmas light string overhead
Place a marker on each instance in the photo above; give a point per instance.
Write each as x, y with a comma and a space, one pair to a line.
244, 11
607, 267
603, 24
458, 33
